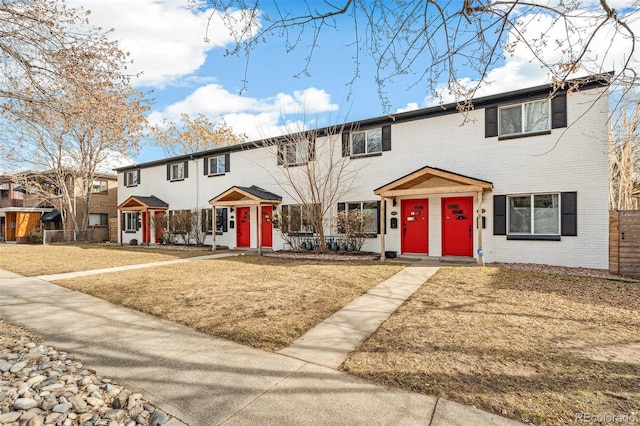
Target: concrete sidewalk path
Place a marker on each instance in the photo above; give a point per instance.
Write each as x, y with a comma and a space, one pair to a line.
202, 380
330, 342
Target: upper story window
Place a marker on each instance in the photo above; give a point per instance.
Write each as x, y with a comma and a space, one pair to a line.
529, 117
100, 186
217, 165
366, 142
296, 153
363, 143
132, 178
178, 171
534, 214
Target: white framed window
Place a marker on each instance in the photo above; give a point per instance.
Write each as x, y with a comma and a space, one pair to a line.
366, 208
366, 142
296, 153
177, 171
298, 219
99, 186
98, 219
534, 214
132, 178
529, 117
217, 165
130, 221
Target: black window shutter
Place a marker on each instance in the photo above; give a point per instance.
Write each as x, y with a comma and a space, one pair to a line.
386, 138
123, 225
186, 169
378, 204
284, 219
224, 219
341, 207
137, 218
569, 214
312, 149
499, 215
126, 178
559, 111
206, 166
168, 171
137, 172
345, 144
491, 123
280, 153
227, 165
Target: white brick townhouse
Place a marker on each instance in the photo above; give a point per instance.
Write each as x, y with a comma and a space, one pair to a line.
522, 177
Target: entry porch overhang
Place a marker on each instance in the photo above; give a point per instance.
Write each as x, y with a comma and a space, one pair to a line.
245, 196
237, 196
140, 203
429, 181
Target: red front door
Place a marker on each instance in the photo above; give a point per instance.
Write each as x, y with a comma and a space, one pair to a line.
243, 227
415, 226
158, 224
457, 226
266, 226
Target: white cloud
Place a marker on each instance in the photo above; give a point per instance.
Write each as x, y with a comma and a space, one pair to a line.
522, 68
258, 118
408, 107
165, 38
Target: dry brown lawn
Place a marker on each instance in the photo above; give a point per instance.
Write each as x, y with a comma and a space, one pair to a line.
34, 260
532, 346
259, 301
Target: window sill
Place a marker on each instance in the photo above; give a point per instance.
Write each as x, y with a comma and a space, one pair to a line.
373, 154
296, 164
524, 135
176, 180
131, 186
100, 193
130, 232
215, 174
534, 237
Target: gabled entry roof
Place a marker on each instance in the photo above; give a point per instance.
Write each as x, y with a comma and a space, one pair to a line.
429, 180
136, 202
243, 195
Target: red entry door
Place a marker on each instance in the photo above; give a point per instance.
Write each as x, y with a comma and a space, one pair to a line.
243, 227
267, 240
415, 226
159, 225
457, 226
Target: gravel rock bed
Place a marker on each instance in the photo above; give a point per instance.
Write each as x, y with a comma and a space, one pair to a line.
323, 256
40, 385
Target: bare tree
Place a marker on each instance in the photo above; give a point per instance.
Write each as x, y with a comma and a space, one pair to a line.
72, 104
193, 135
431, 40
624, 154
313, 172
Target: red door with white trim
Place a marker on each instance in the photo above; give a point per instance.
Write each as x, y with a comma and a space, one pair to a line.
158, 222
457, 226
415, 225
267, 240
243, 227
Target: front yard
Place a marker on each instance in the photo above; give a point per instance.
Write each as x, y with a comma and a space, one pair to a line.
259, 301
536, 347
34, 260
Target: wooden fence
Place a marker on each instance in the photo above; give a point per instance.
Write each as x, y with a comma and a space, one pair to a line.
624, 242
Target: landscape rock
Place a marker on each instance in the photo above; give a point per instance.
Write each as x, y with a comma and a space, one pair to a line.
40, 385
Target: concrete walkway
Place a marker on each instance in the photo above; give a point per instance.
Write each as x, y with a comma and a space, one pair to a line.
333, 339
202, 380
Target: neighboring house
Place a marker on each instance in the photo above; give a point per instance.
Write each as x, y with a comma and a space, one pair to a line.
519, 178
36, 210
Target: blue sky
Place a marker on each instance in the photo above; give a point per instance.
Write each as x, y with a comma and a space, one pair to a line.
185, 74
